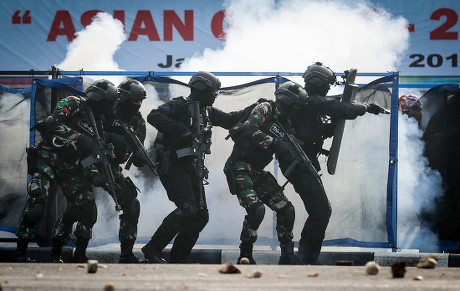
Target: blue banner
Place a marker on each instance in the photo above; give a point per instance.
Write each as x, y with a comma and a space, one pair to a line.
161, 34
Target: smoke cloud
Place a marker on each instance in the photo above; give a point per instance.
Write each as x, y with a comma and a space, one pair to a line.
418, 185
288, 36
94, 48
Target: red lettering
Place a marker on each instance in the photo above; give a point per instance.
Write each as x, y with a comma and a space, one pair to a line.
87, 17
144, 17
120, 15
68, 29
185, 28
217, 25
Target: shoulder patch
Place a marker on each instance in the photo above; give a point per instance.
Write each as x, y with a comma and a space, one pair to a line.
166, 107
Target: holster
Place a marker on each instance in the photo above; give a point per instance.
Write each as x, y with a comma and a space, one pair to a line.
163, 160
32, 158
131, 187
229, 172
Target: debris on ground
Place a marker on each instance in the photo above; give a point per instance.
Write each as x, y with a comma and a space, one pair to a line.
428, 262
244, 261
255, 274
109, 287
398, 269
229, 268
92, 266
372, 268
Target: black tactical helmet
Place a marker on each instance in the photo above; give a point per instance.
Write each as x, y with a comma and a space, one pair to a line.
103, 94
132, 90
290, 95
204, 80
318, 78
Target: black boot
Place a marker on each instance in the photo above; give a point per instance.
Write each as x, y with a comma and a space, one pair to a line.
56, 251
287, 255
127, 256
309, 252
79, 255
246, 252
153, 254
20, 255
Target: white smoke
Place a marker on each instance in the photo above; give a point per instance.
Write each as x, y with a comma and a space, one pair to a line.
418, 185
94, 48
288, 36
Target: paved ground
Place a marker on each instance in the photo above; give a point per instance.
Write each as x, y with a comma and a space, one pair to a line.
207, 277
340, 270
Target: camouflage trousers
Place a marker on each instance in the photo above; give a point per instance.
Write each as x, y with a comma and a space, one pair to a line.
74, 182
255, 186
37, 193
80, 208
126, 197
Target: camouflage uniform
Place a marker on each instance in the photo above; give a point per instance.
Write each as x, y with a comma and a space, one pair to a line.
37, 192
253, 186
50, 169
57, 160
75, 180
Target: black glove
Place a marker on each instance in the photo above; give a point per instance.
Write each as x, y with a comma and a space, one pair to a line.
186, 134
85, 146
374, 108
121, 147
118, 141
139, 159
98, 180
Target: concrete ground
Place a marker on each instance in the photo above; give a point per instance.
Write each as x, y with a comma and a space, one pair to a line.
71, 276
340, 270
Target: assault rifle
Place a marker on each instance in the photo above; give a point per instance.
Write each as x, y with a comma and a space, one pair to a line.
278, 129
201, 145
136, 145
101, 156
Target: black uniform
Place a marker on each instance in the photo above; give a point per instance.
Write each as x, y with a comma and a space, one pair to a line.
311, 130
127, 193
180, 178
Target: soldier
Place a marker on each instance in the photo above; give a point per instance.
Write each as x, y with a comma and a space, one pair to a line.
255, 142
57, 159
411, 105
41, 165
132, 93
73, 135
181, 174
312, 130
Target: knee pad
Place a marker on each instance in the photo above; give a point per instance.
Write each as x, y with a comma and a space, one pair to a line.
200, 220
71, 214
131, 211
181, 215
287, 214
132, 189
186, 210
33, 216
256, 213
89, 214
